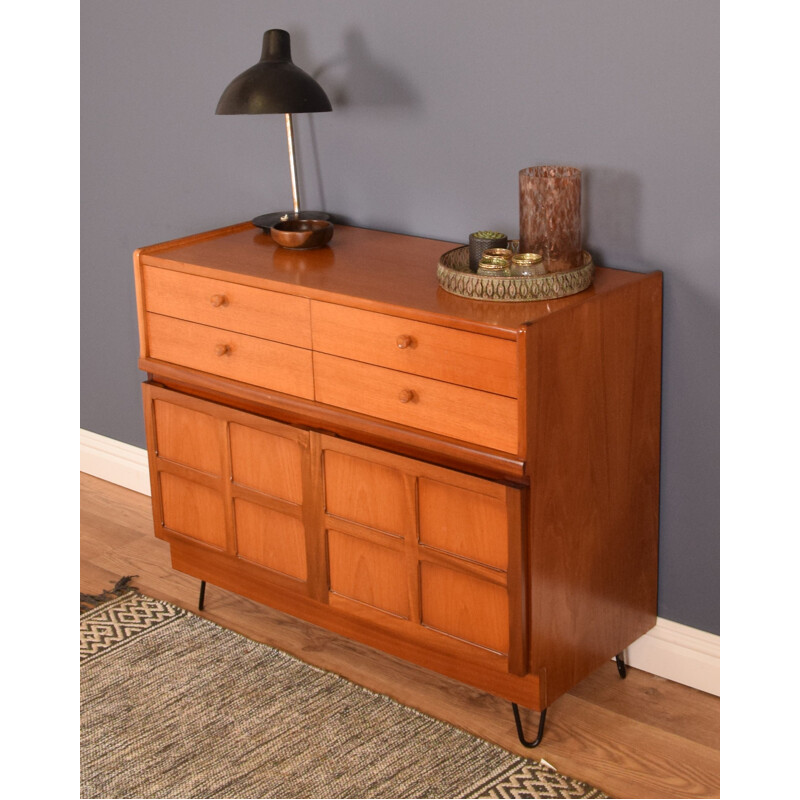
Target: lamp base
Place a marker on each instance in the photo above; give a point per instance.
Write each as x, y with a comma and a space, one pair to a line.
266, 221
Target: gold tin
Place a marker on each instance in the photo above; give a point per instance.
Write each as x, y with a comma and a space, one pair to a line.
498, 252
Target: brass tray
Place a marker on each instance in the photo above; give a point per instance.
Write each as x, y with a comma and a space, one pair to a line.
456, 277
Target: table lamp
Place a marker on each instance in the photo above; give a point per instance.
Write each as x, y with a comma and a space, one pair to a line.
276, 86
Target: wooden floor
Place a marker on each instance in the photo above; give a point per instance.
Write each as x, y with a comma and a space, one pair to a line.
644, 737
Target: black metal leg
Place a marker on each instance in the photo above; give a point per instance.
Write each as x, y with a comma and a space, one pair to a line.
521, 735
202, 595
621, 666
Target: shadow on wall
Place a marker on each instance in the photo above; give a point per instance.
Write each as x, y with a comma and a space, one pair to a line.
611, 204
357, 79
354, 80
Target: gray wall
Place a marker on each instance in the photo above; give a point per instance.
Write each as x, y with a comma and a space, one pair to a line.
438, 105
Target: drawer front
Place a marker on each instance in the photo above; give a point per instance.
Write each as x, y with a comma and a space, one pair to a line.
467, 359
484, 419
260, 362
244, 309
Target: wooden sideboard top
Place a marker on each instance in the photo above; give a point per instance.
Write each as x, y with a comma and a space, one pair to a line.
363, 268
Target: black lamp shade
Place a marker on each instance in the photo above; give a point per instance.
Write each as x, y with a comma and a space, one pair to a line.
274, 85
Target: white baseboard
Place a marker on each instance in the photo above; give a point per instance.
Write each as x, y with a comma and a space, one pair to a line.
673, 651
115, 462
680, 653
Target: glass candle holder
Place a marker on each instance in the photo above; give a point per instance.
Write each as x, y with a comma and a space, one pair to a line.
550, 215
493, 265
527, 264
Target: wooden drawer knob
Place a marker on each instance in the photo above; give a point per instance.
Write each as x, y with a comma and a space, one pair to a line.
406, 396
218, 300
404, 341
222, 349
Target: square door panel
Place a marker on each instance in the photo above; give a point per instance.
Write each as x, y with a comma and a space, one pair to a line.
266, 462
269, 538
372, 494
368, 572
188, 437
464, 606
464, 522
193, 510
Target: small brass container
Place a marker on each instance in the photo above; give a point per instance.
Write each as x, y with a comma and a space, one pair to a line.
498, 252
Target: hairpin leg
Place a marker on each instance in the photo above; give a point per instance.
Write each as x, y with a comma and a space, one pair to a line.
202, 598
621, 666
521, 735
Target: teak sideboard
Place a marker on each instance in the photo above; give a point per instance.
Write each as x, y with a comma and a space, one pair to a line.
471, 486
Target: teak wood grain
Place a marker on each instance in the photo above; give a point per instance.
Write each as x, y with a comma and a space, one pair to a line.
595, 480
472, 486
464, 522
229, 306
270, 463
368, 269
260, 362
434, 351
442, 408
270, 538
368, 492
641, 737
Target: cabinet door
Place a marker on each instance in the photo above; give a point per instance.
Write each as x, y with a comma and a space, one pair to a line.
231, 481
422, 550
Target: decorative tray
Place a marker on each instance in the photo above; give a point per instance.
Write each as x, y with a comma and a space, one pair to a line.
456, 277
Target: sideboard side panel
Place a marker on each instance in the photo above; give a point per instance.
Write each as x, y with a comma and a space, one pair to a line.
594, 415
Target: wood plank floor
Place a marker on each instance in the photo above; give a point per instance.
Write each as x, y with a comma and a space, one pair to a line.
644, 737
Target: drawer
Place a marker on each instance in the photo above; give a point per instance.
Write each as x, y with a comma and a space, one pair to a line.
244, 309
482, 418
434, 351
260, 362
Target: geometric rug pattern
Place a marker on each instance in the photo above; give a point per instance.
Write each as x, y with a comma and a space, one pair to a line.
174, 706
116, 622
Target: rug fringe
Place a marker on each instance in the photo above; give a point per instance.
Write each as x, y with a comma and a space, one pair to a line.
122, 586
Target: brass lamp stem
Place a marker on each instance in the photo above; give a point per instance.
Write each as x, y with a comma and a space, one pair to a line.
292, 164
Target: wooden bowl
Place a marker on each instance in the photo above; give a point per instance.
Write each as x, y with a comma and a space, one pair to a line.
302, 234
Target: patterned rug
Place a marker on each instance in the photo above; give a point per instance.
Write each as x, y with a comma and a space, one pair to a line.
175, 706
